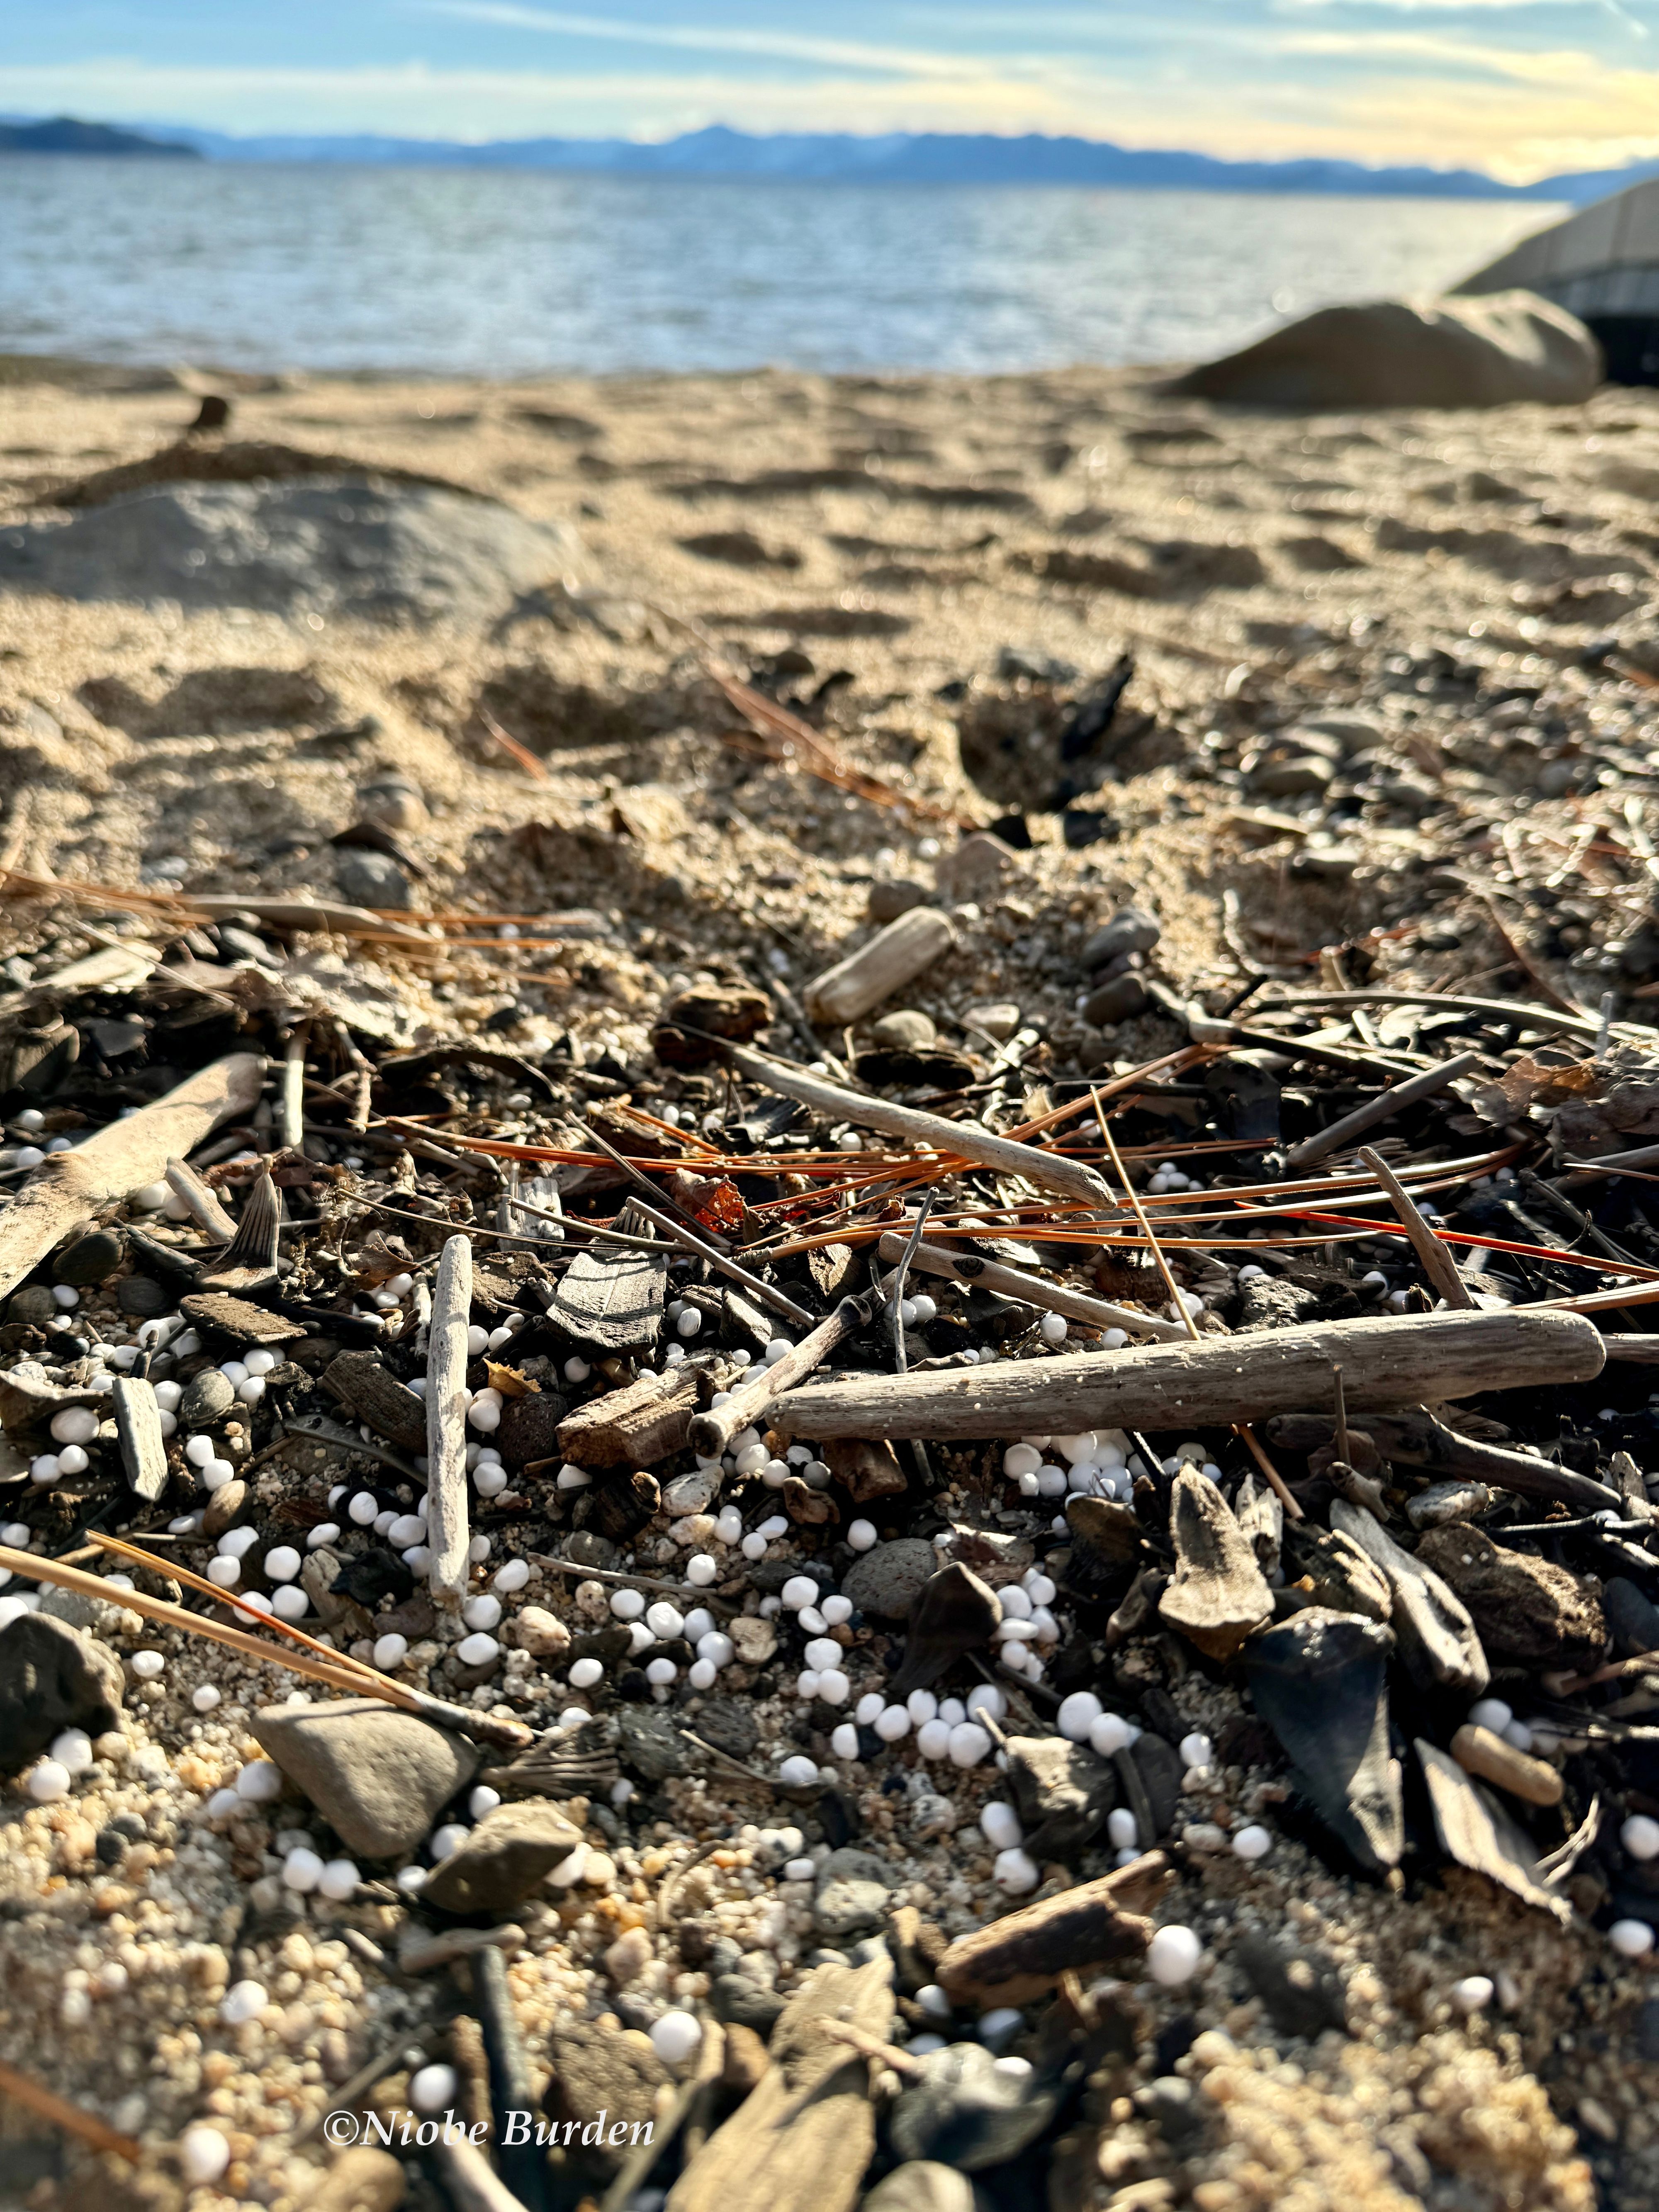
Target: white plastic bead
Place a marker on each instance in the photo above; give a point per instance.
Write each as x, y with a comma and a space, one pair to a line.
1173, 1956
1078, 1715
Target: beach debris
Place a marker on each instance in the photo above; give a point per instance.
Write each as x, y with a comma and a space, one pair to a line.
448, 1351
1098, 1924
892, 958
1320, 1681
1063, 1792
952, 1613
1475, 1830
503, 1861
1219, 1595
1438, 1641
1482, 1752
1526, 1611
963, 2110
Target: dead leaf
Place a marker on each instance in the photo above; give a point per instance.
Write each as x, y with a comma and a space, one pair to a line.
509, 1382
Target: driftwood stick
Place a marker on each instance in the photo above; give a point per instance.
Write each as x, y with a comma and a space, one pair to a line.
67, 1189
712, 1432
1412, 1093
471, 2181
326, 916
1439, 1264
1031, 1290
1639, 1351
292, 1100
202, 1199
847, 991
445, 1421
1219, 1382
957, 1141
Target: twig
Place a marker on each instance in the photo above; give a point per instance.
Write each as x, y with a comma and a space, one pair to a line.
1439, 1264
1031, 1290
712, 1432
445, 1421
1387, 1103
70, 2118
293, 1110
1242, 1429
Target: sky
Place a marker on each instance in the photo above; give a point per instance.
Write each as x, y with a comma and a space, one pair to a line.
1521, 88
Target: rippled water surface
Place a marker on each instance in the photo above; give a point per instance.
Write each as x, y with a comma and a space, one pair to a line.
509, 272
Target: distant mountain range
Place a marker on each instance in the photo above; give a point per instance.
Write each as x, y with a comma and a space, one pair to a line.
900, 158
63, 134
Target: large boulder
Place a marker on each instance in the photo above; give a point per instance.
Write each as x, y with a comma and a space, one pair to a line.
1452, 352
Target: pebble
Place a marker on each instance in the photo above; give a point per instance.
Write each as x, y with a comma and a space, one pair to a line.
1173, 1956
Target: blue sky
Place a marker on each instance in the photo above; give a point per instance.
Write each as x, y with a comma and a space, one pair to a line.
1522, 88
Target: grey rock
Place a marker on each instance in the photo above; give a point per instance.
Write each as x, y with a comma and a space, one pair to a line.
741, 1999
1302, 1989
961, 2111
1292, 778
1120, 1000
905, 1026
1162, 1770
729, 1725
593, 2071
1437, 1639
1632, 1618
1320, 1681
528, 1427
852, 1894
1131, 929
208, 1397
888, 900
887, 1579
90, 1258
921, 2185
326, 545
649, 1741
503, 1860
52, 1677
369, 878
223, 1508
143, 1297
34, 1305
586, 1548
379, 1777
1062, 1791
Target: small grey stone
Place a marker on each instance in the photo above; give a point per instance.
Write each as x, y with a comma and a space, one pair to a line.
904, 1026
142, 1296
370, 878
1294, 778
1173, 2107
34, 1305
378, 1775
528, 1428
586, 1548
1131, 929
729, 1725
52, 1677
504, 1860
223, 1508
1120, 1000
89, 1260
888, 900
208, 1397
852, 1894
594, 2071
744, 2000
1270, 1302
888, 1579
649, 1741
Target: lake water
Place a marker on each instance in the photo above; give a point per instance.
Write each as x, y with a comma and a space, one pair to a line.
513, 272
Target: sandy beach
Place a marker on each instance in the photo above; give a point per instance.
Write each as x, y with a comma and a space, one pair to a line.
934, 573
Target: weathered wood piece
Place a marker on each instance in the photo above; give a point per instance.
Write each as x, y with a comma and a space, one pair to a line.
1439, 1264
802, 2138
1017, 1957
1475, 1829
1437, 1639
1014, 1283
640, 1423
138, 1425
962, 1141
1387, 1103
1215, 1383
1219, 1595
613, 1299
712, 1432
1320, 1680
846, 992
68, 1187
202, 1199
359, 1381
446, 1422
1418, 1439
238, 1318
